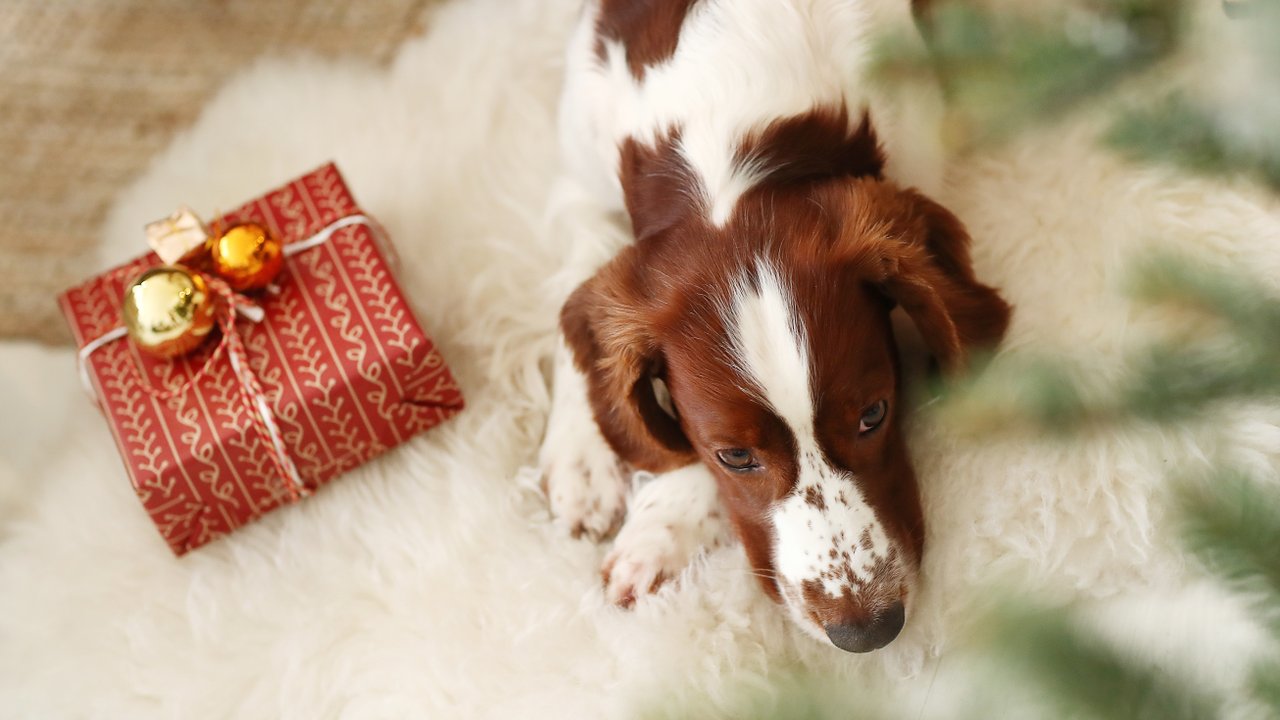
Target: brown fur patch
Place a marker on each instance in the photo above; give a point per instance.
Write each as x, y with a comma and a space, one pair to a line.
814, 145
648, 30
813, 497
658, 186
618, 355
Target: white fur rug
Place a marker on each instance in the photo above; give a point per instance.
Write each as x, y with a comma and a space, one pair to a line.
431, 583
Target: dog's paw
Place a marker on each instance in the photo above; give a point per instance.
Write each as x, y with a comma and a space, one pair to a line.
642, 560
673, 518
586, 487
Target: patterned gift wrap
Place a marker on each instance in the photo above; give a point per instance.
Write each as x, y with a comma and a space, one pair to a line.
343, 366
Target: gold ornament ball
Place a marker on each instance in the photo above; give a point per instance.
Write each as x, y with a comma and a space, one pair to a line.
247, 256
168, 311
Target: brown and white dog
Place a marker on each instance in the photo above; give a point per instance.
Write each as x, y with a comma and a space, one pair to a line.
741, 348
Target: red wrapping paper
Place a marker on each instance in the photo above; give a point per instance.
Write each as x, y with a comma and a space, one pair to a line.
346, 369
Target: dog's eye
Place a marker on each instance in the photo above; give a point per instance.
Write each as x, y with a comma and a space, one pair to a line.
737, 459
872, 417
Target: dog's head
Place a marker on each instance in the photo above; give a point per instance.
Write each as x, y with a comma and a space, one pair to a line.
772, 335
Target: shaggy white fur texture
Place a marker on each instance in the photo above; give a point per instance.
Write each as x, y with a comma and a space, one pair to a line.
432, 582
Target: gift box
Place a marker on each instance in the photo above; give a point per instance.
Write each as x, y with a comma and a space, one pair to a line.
335, 371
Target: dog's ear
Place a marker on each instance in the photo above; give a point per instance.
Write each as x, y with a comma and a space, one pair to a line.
607, 327
917, 253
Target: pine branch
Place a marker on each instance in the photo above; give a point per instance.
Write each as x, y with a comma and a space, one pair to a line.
1167, 382
1081, 676
1265, 685
1233, 525
1183, 133
1175, 383
1003, 72
1220, 140
1243, 302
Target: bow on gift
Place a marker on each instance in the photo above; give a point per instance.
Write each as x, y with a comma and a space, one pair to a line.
170, 309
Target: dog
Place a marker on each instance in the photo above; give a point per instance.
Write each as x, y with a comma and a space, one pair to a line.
740, 348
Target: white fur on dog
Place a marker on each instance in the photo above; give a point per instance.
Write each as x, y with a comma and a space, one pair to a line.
585, 487
747, 63
432, 583
771, 346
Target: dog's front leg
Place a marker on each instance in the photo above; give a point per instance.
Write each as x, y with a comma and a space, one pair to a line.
673, 518
585, 480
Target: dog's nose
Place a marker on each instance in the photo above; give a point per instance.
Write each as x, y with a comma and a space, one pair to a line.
871, 635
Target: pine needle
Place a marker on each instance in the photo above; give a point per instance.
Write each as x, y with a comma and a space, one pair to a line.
1177, 131
1081, 676
1233, 525
1003, 72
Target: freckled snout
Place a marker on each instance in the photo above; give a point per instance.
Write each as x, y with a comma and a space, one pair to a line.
873, 634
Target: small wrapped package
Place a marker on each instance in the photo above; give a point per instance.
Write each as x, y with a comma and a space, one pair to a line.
320, 372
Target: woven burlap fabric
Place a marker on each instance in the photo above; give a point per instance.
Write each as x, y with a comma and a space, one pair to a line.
90, 90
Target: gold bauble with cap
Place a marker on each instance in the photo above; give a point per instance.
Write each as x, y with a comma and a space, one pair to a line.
168, 311
247, 256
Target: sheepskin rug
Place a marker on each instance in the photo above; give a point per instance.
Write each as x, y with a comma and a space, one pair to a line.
431, 583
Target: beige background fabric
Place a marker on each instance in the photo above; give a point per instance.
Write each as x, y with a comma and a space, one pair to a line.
90, 90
